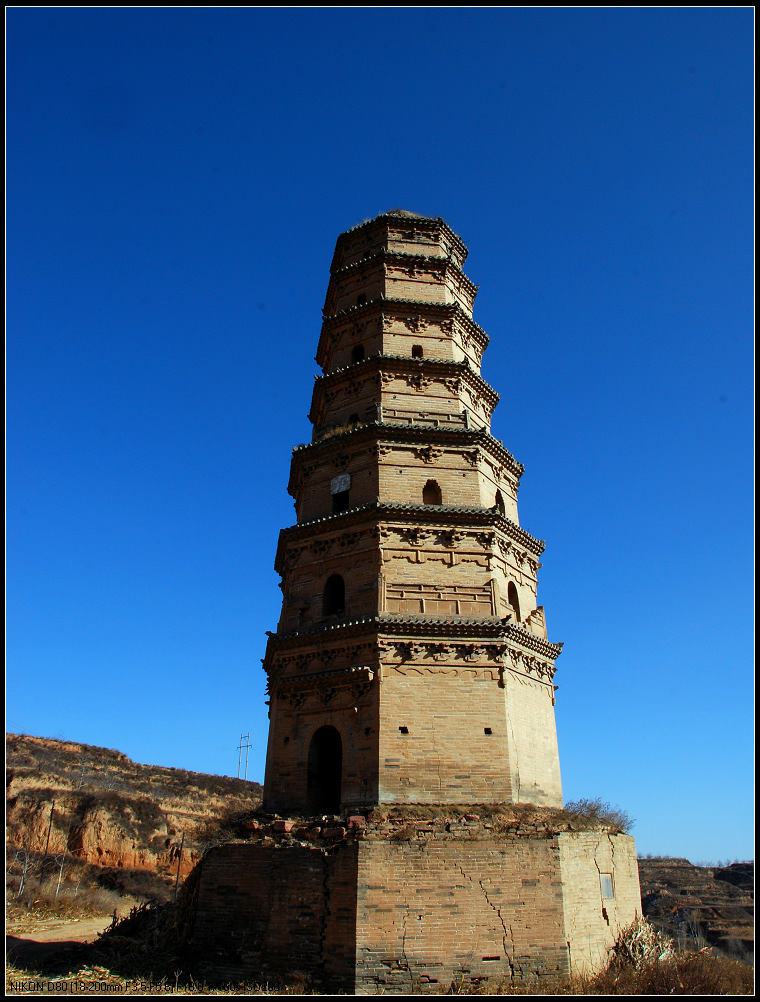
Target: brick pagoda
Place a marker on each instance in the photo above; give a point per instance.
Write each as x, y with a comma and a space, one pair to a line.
411, 662
412, 836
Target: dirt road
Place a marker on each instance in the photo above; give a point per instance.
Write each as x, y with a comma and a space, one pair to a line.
40, 945
79, 931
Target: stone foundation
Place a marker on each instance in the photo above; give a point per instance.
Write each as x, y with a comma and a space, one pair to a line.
412, 904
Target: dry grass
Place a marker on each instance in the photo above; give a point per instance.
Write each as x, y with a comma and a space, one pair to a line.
682, 974
97, 980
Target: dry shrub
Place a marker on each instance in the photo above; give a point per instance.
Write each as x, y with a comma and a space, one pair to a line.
645, 962
600, 810
682, 974
70, 901
640, 943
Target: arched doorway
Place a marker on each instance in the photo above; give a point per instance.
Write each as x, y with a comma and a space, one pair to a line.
324, 771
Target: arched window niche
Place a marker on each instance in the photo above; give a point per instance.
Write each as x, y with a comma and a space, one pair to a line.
500, 503
324, 771
431, 493
357, 353
334, 596
513, 600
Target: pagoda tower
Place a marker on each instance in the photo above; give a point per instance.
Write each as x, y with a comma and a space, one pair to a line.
410, 679
411, 662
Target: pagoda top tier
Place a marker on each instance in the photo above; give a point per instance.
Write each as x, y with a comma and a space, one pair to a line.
401, 232
397, 288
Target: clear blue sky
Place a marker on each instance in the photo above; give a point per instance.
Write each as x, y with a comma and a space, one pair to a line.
176, 180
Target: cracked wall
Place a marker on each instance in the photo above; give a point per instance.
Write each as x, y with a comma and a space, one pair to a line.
593, 917
430, 904
438, 911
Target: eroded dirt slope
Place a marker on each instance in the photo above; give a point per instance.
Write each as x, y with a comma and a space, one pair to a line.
102, 808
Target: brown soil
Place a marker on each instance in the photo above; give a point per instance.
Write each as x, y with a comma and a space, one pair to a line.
102, 809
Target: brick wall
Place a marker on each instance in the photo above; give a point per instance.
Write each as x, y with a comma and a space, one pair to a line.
435, 911
267, 911
414, 908
445, 755
291, 730
533, 755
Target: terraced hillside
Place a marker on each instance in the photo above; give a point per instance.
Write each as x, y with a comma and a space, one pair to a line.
96, 806
701, 905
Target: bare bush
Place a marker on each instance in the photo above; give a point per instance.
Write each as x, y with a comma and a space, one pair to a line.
640, 943
601, 810
682, 974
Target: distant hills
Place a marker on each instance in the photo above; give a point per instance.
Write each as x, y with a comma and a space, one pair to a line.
701, 906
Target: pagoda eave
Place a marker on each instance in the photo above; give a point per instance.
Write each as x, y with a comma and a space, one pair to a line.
433, 627
408, 434
401, 364
413, 514
399, 308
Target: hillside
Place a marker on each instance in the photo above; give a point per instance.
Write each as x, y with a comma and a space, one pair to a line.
95, 806
701, 906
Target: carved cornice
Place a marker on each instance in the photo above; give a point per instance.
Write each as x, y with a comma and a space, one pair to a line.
449, 516
518, 635
441, 626
325, 684
333, 631
435, 369
443, 650
404, 259
465, 638
400, 309
410, 435
392, 624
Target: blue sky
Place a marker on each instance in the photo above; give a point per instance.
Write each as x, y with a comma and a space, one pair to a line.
176, 180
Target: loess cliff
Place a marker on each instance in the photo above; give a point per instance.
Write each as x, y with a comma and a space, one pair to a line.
101, 808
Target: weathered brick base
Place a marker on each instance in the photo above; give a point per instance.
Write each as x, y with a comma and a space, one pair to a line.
373, 908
